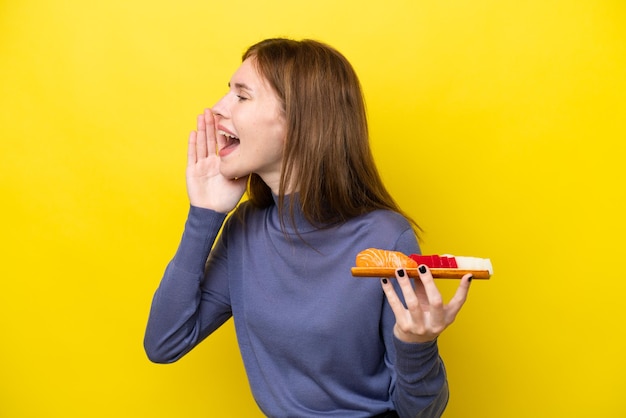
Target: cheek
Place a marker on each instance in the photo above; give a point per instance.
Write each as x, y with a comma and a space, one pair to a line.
261, 129
272, 129
279, 128
279, 138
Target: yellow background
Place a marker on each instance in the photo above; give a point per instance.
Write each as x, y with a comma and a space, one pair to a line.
499, 125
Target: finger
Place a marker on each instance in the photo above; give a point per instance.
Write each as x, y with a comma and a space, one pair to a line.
211, 134
459, 298
191, 149
410, 298
435, 300
201, 144
220, 140
392, 297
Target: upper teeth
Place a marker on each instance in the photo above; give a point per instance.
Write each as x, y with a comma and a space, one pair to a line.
227, 134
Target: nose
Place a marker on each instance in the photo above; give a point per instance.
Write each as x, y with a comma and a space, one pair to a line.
220, 108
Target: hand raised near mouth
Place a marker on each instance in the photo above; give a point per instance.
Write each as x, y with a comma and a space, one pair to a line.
206, 186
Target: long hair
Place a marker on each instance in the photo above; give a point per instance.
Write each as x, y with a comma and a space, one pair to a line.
327, 156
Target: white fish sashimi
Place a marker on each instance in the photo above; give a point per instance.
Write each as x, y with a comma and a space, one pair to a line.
472, 263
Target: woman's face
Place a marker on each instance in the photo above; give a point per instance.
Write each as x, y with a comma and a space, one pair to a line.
251, 127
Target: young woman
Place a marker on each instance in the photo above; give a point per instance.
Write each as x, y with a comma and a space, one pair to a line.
315, 341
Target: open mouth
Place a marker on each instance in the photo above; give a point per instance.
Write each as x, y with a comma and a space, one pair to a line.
230, 143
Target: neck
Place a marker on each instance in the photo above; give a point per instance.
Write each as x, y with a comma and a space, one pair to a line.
273, 182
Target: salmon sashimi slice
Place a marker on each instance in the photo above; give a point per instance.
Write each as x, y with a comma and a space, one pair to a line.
374, 257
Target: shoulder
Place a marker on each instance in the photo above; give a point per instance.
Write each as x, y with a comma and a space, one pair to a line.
246, 208
385, 219
249, 215
243, 214
384, 229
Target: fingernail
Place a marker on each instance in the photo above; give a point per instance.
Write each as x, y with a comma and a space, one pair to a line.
422, 269
401, 272
383, 280
470, 279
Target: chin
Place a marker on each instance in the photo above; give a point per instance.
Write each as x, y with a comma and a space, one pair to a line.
232, 174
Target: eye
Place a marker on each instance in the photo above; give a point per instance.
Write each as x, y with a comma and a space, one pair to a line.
241, 98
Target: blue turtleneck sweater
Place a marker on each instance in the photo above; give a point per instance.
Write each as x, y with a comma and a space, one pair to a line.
315, 341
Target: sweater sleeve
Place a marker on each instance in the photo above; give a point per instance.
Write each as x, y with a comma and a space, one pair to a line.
420, 388
182, 312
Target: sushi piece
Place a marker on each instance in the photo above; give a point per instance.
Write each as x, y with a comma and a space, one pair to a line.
451, 261
374, 257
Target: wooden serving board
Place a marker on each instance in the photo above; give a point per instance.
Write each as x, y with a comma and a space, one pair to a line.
437, 273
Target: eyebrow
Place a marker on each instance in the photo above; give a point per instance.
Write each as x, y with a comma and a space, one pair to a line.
241, 86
